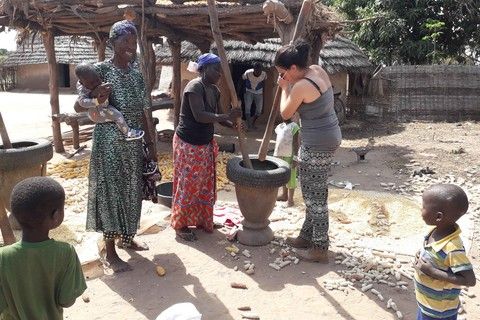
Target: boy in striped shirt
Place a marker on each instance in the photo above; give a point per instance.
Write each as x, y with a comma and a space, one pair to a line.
442, 266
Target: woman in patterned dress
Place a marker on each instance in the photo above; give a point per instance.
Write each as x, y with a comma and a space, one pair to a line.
308, 90
115, 180
195, 150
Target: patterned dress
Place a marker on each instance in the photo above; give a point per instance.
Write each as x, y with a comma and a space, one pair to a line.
115, 181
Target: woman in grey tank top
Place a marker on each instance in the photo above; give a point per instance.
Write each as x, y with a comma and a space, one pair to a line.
307, 90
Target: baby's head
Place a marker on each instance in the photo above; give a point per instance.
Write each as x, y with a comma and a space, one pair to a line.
88, 76
443, 204
37, 203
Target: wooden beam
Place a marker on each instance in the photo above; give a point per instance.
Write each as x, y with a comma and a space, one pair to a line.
303, 17
101, 45
175, 48
49, 43
217, 35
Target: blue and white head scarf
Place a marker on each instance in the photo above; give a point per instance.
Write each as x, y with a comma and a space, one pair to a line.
203, 60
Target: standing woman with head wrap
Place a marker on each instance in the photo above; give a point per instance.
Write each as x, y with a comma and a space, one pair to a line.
116, 165
195, 150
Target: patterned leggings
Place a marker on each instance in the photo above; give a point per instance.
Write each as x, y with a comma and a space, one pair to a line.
126, 239
313, 172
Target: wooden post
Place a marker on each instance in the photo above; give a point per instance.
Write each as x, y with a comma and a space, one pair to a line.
217, 36
152, 65
49, 43
4, 134
145, 64
101, 45
75, 134
303, 17
175, 48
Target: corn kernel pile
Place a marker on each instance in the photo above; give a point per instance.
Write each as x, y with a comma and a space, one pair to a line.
166, 168
72, 169
69, 169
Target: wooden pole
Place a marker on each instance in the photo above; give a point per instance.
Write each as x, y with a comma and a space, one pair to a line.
217, 36
4, 134
5, 229
175, 48
303, 17
101, 48
49, 43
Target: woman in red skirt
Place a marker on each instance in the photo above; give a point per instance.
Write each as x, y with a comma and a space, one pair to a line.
195, 150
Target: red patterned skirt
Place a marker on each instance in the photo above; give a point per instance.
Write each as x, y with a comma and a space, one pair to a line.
194, 184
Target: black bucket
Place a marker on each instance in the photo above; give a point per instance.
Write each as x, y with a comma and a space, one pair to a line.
164, 191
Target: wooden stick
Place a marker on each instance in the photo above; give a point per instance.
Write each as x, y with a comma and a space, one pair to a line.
176, 48
217, 36
49, 43
5, 228
303, 17
3, 132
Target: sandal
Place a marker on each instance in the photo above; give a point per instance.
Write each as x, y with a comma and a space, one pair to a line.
134, 134
186, 235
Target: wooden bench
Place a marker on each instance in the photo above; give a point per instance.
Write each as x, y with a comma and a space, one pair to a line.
162, 103
75, 120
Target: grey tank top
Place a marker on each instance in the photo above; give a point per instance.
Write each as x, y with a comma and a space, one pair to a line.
319, 122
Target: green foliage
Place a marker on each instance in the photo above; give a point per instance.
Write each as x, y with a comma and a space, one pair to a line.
414, 31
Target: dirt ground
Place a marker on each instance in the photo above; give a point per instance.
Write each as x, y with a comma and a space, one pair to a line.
201, 272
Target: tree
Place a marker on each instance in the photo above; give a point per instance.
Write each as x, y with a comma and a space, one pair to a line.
414, 31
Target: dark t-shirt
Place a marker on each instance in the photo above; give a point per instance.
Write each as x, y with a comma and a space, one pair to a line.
189, 129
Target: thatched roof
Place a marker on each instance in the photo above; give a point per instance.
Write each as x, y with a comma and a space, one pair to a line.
239, 19
67, 50
339, 54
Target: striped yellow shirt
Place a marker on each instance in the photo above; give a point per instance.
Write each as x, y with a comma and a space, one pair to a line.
436, 298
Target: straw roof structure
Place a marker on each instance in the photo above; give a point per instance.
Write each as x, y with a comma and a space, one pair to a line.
68, 50
337, 55
239, 19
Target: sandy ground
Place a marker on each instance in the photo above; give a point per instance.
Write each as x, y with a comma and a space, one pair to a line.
201, 272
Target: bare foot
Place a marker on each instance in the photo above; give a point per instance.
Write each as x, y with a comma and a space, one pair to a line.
186, 234
135, 246
117, 264
298, 242
313, 255
290, 203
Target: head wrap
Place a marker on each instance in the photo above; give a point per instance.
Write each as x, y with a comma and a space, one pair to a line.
122, 28
203, 60
207, 58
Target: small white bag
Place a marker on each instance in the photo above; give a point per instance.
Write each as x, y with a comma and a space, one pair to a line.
180, 311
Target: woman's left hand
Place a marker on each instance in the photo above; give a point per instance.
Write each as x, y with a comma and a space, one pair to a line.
282, 83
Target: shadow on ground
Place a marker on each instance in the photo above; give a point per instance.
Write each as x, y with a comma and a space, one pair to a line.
150, 294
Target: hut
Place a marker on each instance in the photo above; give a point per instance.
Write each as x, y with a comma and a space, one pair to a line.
30, 63
245, 20
344, 61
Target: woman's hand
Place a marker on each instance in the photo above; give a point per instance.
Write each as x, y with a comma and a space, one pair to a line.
282, 83
234, 114
102, 92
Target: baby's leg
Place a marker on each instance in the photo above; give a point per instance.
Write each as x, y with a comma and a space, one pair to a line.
112, 114
97, 115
